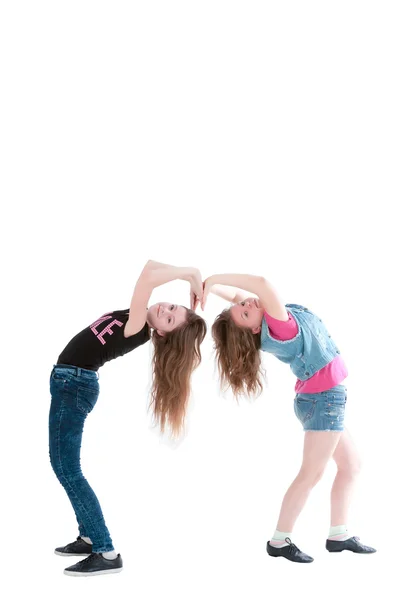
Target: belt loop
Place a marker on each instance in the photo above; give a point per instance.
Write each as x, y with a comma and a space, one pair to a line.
79, 372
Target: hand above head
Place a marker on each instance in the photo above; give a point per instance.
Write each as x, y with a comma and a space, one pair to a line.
194, 300
196, 289
207, 284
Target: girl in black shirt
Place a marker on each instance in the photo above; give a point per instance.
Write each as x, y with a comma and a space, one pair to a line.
176, 333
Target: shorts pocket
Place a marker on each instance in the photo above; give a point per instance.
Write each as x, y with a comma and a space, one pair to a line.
304, 409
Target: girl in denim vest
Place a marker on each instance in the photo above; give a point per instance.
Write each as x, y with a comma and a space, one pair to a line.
176, 333
299, 338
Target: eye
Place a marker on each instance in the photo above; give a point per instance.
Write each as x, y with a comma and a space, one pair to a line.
246, 314
242, 303
172, 306
169, 320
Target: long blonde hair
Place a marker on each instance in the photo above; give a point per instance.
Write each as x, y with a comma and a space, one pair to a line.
238, 356
176, 355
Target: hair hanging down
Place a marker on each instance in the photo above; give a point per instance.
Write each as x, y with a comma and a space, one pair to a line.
176, 355
238, 357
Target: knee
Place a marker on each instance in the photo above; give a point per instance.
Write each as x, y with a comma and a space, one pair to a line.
65, 470
55, 464
310, 477
351, 468
57, 467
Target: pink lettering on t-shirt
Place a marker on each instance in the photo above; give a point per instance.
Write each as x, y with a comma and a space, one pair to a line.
324, 379
96, 323
108, 330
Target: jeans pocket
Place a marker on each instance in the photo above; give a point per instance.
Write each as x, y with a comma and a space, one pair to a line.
57, 376
86, 399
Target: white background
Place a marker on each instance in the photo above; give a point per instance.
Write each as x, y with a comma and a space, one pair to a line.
257, 137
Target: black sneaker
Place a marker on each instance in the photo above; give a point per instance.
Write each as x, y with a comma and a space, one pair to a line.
77, 548
353, 544
95, 564
290, 552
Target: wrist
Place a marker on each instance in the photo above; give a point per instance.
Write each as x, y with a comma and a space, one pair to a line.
212, 280
188, 273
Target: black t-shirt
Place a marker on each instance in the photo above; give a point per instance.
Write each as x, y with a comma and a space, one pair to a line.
102, 341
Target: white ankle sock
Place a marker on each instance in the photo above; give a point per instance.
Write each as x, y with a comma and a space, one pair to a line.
110, 555
339, 533
278, 539
86, 539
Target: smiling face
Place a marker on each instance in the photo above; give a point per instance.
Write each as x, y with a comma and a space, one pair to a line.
165, 317
248, 313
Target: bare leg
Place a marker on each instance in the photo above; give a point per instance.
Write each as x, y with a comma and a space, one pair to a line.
319, 447
348, 465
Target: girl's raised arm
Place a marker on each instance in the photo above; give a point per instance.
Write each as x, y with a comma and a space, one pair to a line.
228, 293
153, 275
254, 284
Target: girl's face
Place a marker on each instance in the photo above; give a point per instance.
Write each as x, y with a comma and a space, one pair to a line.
248, 313
166, 316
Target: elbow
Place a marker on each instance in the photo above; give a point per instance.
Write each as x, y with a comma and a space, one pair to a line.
147, 274
262, 284
148, 278
149, 266
261, 281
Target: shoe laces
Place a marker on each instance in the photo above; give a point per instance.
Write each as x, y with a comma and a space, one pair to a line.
89, 558
292, 547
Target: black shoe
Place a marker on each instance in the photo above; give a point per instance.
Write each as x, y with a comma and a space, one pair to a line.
77, 548
95, 564
290, 552
353, 544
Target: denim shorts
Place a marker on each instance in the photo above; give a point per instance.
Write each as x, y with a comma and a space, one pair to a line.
323, 411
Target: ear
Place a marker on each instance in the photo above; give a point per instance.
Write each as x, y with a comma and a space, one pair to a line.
162, 333
256, 329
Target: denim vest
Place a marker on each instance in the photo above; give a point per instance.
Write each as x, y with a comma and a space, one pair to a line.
308, 352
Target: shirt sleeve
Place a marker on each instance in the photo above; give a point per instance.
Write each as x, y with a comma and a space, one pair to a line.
282, 330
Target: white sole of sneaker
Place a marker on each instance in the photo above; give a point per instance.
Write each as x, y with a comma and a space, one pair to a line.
66, 554
106, 572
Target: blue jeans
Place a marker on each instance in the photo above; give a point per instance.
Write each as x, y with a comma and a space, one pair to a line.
323, 411
74, 392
